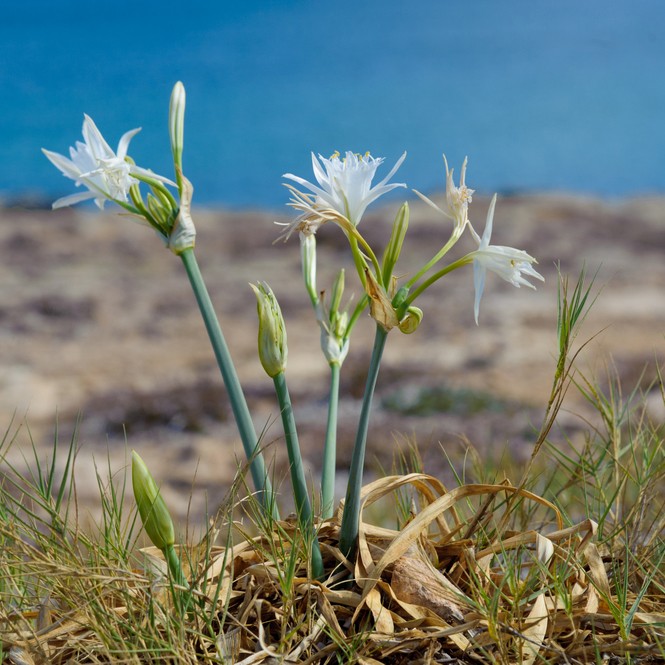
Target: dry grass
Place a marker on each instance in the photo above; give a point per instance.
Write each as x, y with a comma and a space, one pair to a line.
567, 565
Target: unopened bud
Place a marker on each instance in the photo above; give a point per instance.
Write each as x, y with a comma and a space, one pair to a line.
272, 331
155, 516
308, 259
177, 126
411, 320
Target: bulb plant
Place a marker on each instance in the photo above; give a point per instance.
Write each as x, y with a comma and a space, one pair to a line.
342, 192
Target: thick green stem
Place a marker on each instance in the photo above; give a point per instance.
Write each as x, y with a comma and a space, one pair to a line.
351, 516
330, 449
175, 567
236, 396
181, 598
303, 506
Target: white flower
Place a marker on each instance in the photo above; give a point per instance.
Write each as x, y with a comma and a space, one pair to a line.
457, 199
345, 185
507, 262
107, 175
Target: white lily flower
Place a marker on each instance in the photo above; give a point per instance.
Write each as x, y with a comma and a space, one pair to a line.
457, 199
507, 262
344, 186
105, 173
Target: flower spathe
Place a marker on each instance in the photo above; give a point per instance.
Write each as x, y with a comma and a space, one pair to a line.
344, 186
106, 174
508, 263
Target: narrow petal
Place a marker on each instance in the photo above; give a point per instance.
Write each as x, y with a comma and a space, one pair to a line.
429, 202
487, 234
72, 199
479, 273
94, 140
124, 142
63, 164
147, 173
398, 163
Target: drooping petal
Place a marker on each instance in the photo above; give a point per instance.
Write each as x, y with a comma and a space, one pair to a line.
72, 199
479, 273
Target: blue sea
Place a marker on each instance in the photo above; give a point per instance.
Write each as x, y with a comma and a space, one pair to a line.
540, 94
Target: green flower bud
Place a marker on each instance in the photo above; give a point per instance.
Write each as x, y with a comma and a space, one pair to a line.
177, 126
394, 248
155, 515
272, 331
308, 258
337, 293
411, 320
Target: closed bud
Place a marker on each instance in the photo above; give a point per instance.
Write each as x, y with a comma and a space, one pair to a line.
394, 248
177, 126
272, 331
337, 292
411, 320
155, 516
308, 259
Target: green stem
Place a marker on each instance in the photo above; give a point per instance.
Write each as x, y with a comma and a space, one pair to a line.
330, 450
236, 396
303, 506
437, 276
435, 259
351, 516
181, 598
175, 567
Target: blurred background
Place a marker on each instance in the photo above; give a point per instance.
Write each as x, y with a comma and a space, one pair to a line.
559, 106
564, 95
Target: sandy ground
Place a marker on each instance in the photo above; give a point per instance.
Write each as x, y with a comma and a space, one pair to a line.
97, 319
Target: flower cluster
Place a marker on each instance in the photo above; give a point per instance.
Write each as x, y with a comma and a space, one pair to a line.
342, 194
113, 176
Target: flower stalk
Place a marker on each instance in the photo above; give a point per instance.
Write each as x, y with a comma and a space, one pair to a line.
351, 515
239, 406
300, 493
329, 469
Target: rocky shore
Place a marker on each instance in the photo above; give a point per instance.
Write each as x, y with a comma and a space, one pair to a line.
98, 327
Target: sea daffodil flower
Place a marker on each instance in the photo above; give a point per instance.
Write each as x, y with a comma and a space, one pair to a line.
507, 262
108, 175
344, 188
457, 199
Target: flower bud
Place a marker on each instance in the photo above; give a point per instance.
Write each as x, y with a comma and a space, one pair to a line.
308, 259
394, 248
177, 126
155, 516
272, 331
337, 293
411, 320
334, 346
